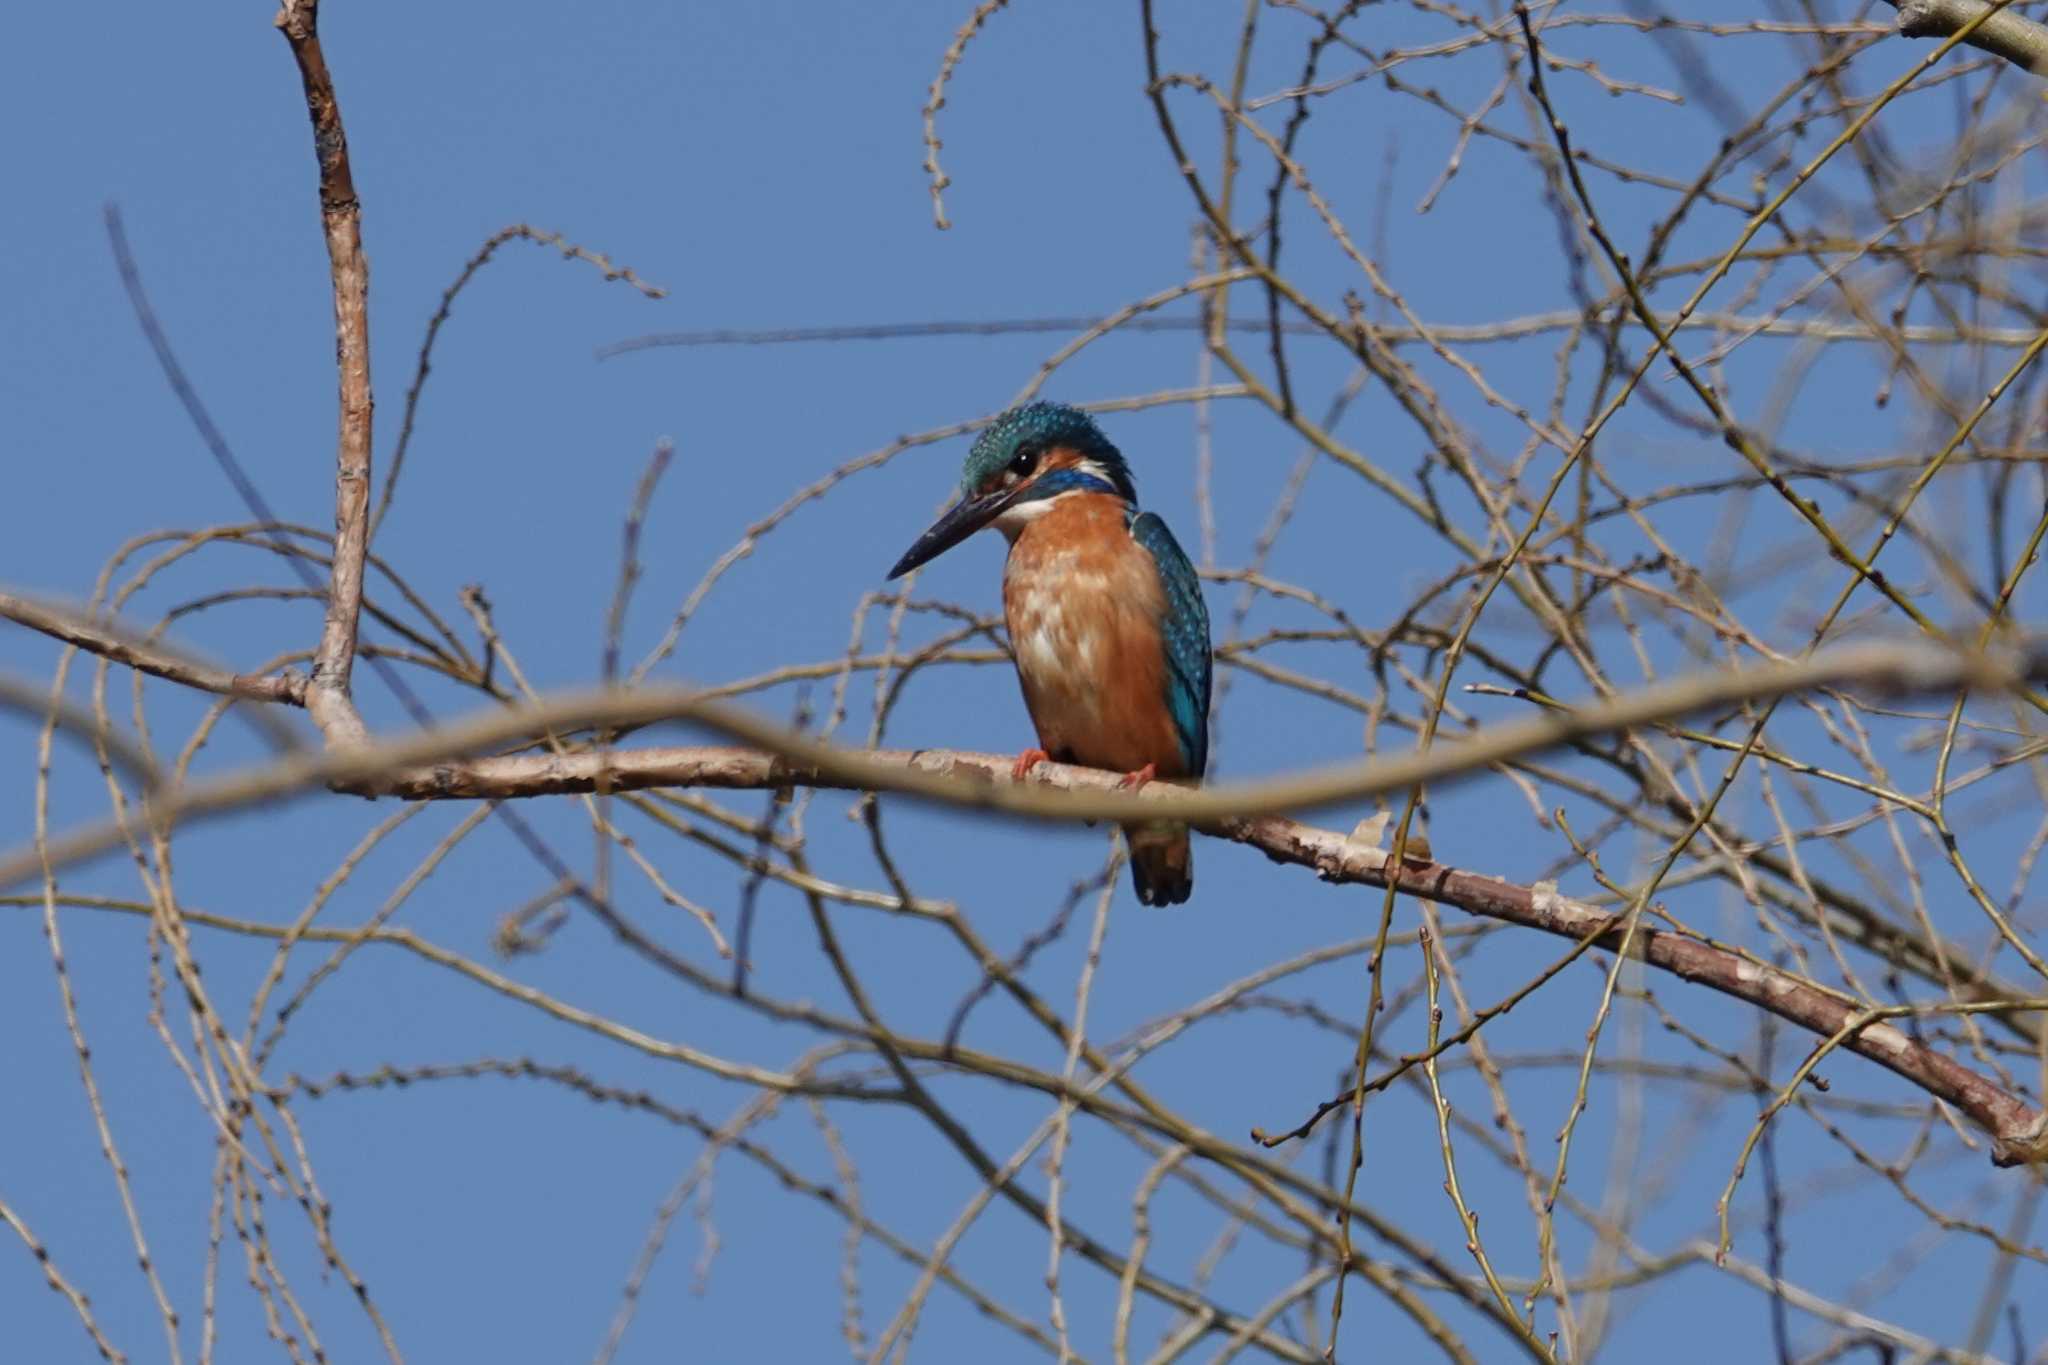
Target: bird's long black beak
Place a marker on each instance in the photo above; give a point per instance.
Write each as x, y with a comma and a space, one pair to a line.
960, 521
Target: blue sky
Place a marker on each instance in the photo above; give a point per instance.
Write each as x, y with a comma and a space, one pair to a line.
762, 163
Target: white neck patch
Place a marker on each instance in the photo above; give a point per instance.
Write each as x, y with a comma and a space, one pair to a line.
1012, 520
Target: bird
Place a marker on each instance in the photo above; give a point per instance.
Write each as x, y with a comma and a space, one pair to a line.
1105, 615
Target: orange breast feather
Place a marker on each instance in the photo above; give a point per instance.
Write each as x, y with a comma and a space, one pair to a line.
1083, 604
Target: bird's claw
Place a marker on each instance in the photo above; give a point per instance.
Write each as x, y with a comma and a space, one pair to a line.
1026, 761
1140, 777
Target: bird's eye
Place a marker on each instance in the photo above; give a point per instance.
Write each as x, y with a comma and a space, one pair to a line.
1023, 462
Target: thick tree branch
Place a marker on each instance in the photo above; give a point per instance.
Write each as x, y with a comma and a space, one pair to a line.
430, 764
2019, 1132
329, 699
2006, 34
435, 765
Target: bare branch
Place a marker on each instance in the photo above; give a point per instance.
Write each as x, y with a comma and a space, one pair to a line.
329, 699
418, 767
2012, 36
110, 640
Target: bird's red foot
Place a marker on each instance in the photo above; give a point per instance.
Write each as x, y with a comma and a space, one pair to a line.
1140, 777
1026, 761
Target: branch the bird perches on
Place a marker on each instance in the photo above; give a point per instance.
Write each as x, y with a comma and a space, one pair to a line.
437, 765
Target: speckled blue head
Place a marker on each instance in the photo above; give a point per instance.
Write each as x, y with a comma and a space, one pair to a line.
1027, 457
1034, 429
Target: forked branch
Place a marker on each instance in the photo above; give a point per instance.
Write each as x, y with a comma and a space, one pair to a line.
329, 699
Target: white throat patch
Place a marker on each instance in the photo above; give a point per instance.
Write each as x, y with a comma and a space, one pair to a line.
1012, 520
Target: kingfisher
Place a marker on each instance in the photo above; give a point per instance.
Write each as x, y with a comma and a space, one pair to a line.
1105, 614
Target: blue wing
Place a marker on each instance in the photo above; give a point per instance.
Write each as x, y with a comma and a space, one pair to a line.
1186, 634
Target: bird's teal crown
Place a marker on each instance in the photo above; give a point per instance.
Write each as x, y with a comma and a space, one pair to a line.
1039, 427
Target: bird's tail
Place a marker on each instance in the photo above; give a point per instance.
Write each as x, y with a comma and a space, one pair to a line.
1162, 863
